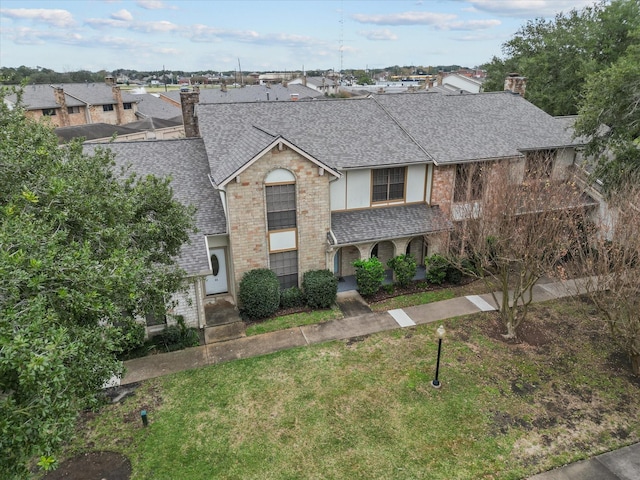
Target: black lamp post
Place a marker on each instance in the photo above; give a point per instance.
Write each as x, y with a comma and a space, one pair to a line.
440, 332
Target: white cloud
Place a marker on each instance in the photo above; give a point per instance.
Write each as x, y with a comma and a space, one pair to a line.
470, 25
31, 36
405, 18
55, 17
105, 22
384, 34
123, 15
154, 5
528, 8
162, 26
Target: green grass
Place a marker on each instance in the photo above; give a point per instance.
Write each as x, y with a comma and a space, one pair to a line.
293, 320
366, 409
413, 299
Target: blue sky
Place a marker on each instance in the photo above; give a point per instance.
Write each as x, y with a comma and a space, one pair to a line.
263, 35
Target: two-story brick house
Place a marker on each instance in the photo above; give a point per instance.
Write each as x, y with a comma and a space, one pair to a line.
73, 104
296, 186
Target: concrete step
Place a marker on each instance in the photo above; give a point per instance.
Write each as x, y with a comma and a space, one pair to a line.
222, 333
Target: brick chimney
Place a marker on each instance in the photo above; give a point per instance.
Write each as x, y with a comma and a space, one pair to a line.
514, 83
189, 101
117, 96
109, 80
58, 94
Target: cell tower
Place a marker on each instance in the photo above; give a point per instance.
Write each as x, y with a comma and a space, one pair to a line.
341, 40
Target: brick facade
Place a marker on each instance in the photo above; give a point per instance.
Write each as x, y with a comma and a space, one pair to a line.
248, 236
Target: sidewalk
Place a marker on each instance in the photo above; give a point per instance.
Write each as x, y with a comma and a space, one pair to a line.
357, 322
623, 464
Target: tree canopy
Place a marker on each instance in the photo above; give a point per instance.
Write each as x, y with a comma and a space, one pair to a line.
558, 56
585, 62
83, 250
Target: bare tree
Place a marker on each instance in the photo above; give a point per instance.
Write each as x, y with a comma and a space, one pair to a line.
611, 267
514, 233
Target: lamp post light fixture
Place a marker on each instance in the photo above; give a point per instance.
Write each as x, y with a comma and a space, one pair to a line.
435, 383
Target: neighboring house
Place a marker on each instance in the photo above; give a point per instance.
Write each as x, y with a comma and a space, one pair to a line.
73, 104
323, 85
298, 186
462, 83
249, 93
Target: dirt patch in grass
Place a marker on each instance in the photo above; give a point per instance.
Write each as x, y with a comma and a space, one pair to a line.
93, 466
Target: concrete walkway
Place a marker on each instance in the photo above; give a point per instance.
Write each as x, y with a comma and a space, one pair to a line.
623, 464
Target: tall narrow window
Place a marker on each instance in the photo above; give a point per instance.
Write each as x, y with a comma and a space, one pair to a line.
285, 266
470, 181
281, 206
388, 184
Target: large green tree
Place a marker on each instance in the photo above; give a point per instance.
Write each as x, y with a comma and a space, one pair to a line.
558, 56
82, 249
610, 118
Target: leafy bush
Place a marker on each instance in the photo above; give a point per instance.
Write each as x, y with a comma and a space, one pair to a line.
404, 267
129, 335
437, 267
178, 336
369, 275
320, 288
291, 298
259, 293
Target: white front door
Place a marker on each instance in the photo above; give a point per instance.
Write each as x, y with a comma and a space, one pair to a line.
217, 282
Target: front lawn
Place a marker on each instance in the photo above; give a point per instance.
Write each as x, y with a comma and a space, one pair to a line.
365, 409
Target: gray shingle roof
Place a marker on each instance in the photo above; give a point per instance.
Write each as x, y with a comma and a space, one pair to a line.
339, 133
377, 224
252, 93
35, 97
76, 94
185, 161
458, 128
95, 93
152, 106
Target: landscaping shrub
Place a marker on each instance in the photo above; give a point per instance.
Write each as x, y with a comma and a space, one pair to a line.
320, 288
131, 335
178, 336
437, 267
369, 275
404, 267
259, 294
291, 298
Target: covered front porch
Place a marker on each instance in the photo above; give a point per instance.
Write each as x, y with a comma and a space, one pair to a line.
386, 232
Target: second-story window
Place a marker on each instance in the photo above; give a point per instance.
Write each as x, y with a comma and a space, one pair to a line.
388, 184
107, 108
469, 184
539, 164
48, 112
281, 206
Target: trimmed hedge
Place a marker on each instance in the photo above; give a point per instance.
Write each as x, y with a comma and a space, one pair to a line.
291, 298
437, 267
320, 288
369, 275
259, 294
404, 267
